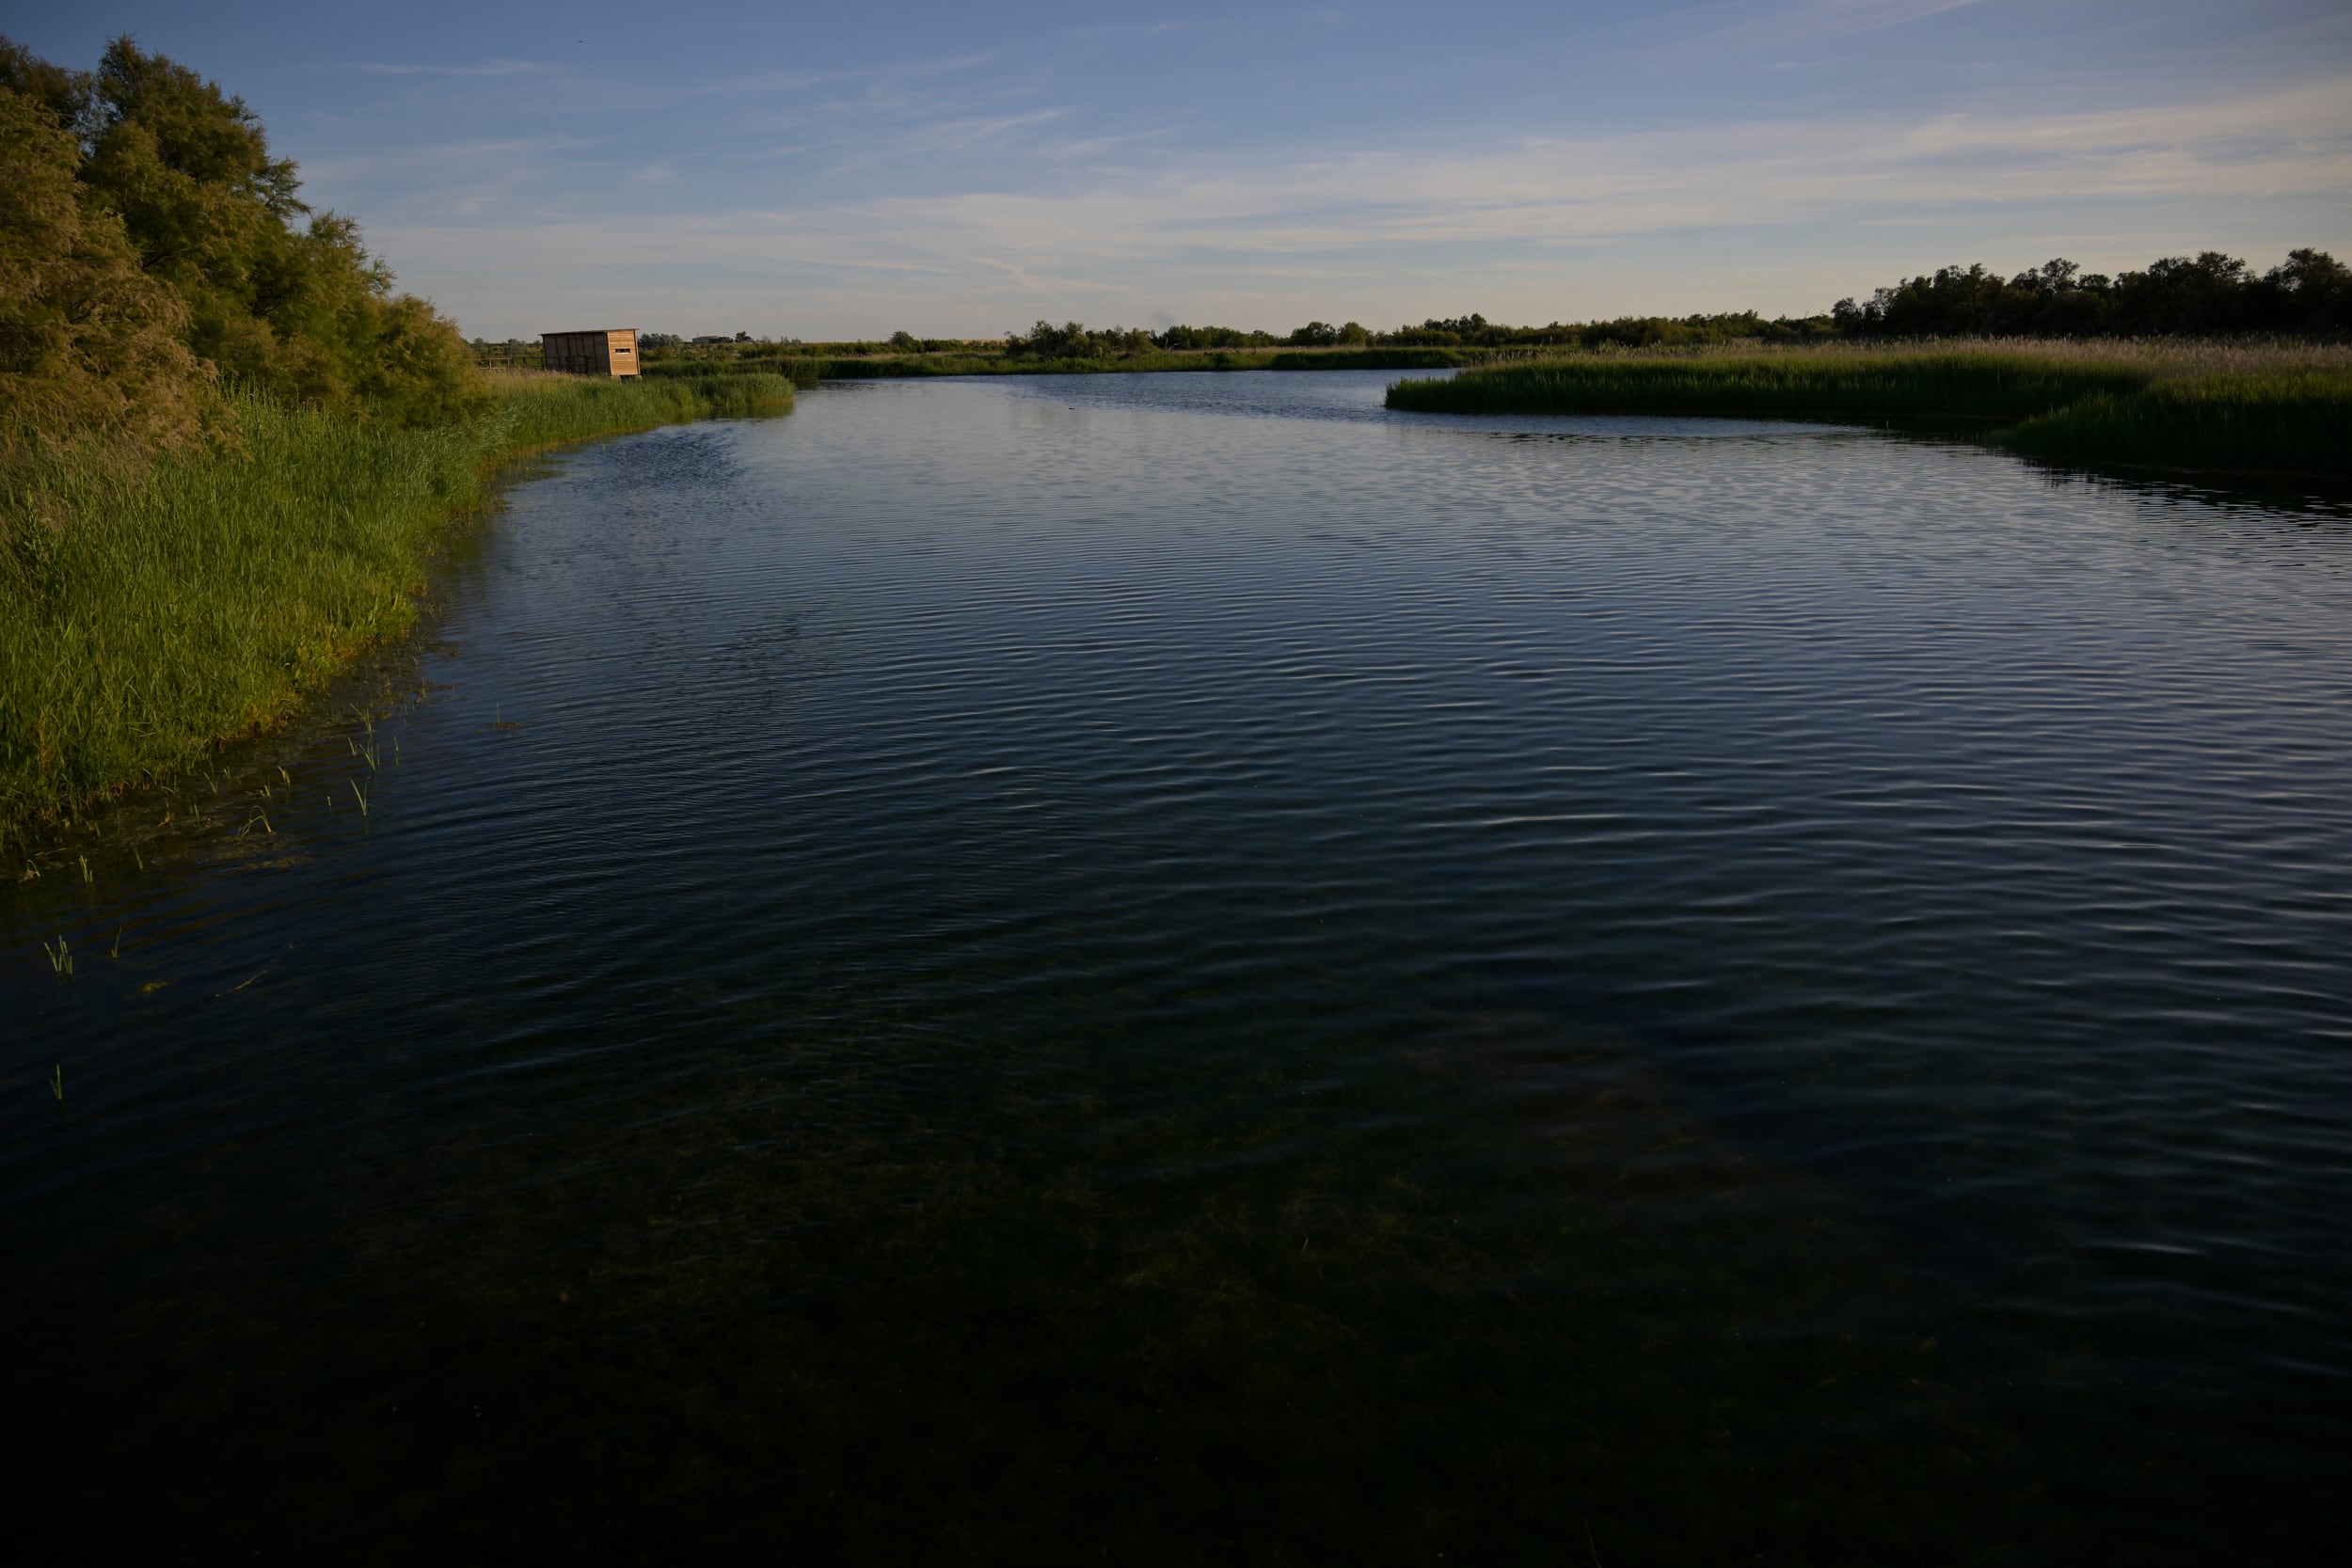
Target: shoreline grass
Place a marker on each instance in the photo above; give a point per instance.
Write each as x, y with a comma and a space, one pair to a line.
2237, 407
153, 606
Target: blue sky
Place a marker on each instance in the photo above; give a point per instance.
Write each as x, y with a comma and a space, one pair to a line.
959, 169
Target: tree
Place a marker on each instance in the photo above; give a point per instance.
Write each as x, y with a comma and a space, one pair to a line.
88, 340
2311, 293
1045, 341
272, 303
2204, 293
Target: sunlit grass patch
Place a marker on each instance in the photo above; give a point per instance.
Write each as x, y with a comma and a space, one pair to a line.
152, 605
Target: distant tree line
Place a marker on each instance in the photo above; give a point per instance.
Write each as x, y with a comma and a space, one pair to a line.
1072, 341
2209, 295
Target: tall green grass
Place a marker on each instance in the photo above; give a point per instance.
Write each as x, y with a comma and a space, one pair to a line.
800, 371
151, 607
2244, 407
2282, 422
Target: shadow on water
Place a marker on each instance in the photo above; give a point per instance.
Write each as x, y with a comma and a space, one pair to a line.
2316, 497
2293, 495
1494, 1292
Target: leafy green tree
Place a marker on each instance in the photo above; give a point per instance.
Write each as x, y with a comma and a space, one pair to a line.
2312, 294
297, 309
1213, 336
1070, 340
2204, 293
88, 340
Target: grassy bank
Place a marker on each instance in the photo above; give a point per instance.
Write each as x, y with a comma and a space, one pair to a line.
807, 370
151, 607
2284, 408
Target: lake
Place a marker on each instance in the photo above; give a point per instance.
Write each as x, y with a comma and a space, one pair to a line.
1178, 966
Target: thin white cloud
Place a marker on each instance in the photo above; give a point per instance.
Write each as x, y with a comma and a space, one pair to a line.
488, 68
870, 77
980, 131
1572, 189
1812, 20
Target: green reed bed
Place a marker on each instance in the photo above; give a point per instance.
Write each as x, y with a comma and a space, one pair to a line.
151, 607
2285, 420
2184, 405
800, 371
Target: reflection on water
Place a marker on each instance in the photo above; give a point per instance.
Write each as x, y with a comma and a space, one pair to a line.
1183, 965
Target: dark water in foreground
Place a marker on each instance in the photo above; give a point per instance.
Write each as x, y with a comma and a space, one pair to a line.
1180, 969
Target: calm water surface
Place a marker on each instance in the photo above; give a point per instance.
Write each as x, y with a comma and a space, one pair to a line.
1178, 968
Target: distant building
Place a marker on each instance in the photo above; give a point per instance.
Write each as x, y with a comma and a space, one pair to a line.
722, 337
609, 353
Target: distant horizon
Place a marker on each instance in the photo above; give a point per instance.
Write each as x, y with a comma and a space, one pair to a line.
958, 173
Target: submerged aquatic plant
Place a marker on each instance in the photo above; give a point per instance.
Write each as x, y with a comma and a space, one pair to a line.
60, 961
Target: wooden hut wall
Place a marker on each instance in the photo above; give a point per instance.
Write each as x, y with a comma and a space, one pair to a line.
608, 352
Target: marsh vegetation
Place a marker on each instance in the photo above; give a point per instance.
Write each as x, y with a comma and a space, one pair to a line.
2282, 408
